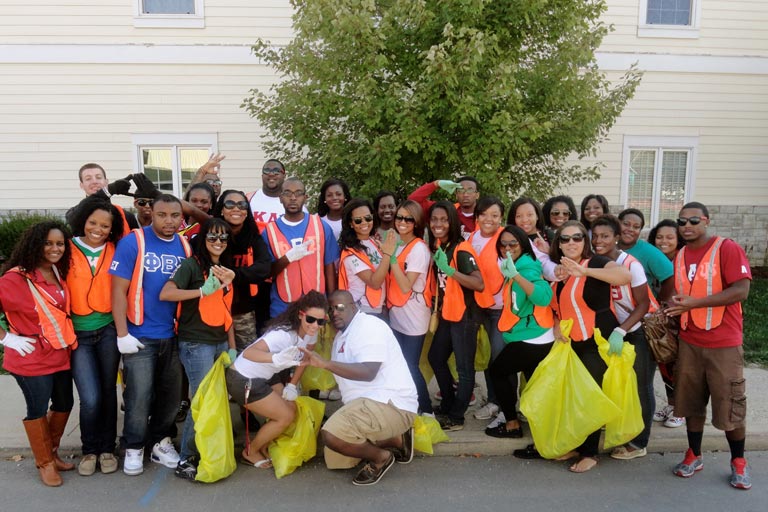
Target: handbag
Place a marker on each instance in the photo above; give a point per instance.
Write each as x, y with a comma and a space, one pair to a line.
434, 319
661, 332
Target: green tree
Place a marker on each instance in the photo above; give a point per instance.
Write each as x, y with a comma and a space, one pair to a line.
395, 93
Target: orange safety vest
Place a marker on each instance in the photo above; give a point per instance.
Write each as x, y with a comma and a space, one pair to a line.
573, 306
453, 300
543, 314
215, 309
55, 325
126, 226
91, 290
625, 290
253, 288
372, 295
395, 296
488, 262
135, 312
707, 281
306, 274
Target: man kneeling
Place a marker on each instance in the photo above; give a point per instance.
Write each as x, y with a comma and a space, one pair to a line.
380, 402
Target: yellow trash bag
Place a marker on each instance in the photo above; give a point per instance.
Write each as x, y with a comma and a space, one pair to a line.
213, 425
317, 378
298, 443
562, 401
426, 433
620, 385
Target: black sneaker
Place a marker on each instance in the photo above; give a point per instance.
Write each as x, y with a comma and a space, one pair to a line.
450, 425
404, 455
181, 416
187, 470
369, 475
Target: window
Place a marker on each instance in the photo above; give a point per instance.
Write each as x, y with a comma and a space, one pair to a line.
171, 160
657, 175
168, 13
669, 18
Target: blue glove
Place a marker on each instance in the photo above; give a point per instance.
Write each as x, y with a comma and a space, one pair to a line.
616, 341
508, 268
441, 261
448, 185
232, 353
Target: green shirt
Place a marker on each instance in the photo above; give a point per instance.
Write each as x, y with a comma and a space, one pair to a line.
95, 320
191, 328
527, 328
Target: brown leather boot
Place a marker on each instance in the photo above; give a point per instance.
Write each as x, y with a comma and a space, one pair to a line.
40, 442
57, 422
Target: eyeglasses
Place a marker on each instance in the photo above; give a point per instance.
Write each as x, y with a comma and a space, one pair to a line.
366, 218
338, 308
409, 220
311, 319
292, 193
272, 171
221, 237
509, 243
240, 205
143, 202
466, 190
682, 221
213, 182
558, 213
576, 237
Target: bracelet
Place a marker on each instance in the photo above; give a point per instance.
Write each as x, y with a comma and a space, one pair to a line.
201, 292
387, 255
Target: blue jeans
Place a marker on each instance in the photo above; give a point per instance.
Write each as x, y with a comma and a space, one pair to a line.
644, 367
411, 347
39, 390
152, 393
94, 368
491, 325
198, 359
459, 338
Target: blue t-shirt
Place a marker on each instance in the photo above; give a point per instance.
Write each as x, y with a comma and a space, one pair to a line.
161, 259
657, 266
295, 236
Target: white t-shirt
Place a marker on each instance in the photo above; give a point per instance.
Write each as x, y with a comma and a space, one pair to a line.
265, 208
623, 303
335, 226
368, 339
412, 318
276, 341
354, 266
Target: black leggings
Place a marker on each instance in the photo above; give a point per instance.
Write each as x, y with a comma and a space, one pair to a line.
587, 352
517, 356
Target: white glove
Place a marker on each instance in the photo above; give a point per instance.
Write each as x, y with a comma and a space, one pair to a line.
290, 392
298, 252
287, 358
20, 344
128, 344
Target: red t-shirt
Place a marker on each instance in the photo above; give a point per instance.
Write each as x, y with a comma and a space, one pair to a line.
734, 266
17, 303
421, 196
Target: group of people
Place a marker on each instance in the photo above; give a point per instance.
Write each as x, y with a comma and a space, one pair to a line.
257, 275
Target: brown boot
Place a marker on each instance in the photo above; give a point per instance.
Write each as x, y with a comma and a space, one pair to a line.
57, 421
40, 442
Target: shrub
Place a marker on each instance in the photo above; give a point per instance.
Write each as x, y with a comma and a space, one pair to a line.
12, 226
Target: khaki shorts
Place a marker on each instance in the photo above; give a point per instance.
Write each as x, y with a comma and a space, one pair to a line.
719, 372
364, 420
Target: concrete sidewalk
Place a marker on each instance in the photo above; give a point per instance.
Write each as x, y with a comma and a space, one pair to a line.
470, 441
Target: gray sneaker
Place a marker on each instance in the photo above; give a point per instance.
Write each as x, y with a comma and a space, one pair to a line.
690, 465
740, 474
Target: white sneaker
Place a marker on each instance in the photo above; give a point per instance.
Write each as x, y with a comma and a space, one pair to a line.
486, 412
498, 420
164, 453
133, 464
663, 413
674, 422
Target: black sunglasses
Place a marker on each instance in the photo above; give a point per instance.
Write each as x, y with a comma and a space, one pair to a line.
143, 202
558, 213
271, 171
409, 220
338, 308
240, 205
509, 243
576, 237
212, 237
311, 319
367, 218
695, 221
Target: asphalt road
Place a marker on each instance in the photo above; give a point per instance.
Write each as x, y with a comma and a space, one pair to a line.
439, 483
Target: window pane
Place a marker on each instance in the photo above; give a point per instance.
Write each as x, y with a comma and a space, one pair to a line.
158, 168
190, 160
669, 12
673, 167
168, 7
640, 193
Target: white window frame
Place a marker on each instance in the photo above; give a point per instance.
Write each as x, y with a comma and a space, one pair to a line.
143, 20
172, 141
690, 144
670, 31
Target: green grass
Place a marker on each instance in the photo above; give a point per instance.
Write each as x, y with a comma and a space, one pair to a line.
755, 321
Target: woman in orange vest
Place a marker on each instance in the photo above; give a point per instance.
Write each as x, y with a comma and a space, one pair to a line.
457, 279
202, 287
409, 292
585, 297
97, 228
631, 303
526, 323
364, 264
38, 338
525, 213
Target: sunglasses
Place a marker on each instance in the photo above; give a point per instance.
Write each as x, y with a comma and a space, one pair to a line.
271, 171
213, 182
682, 221
311, 319
337, 308
221, 237
558, 213
576, 237
143, 202
509, 243
240, 205
409, 220
367, 218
